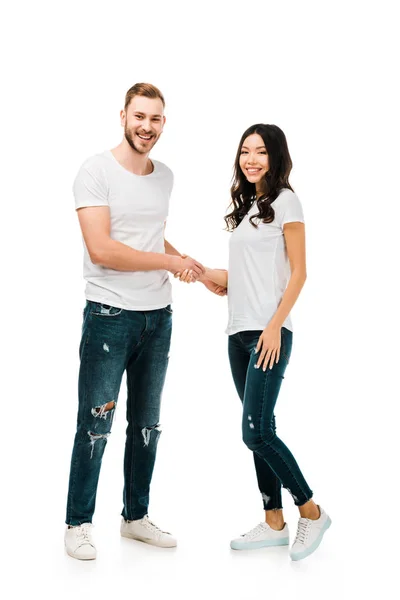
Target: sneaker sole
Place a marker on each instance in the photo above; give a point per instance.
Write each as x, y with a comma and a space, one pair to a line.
315, 545
130, 536
262, 544
72, 555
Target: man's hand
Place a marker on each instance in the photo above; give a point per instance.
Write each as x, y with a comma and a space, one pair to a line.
187, 275
180, 264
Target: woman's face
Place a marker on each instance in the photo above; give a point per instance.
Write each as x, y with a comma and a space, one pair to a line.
253, 159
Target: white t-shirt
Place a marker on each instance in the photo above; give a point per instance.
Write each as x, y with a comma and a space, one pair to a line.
138, 209
259, 268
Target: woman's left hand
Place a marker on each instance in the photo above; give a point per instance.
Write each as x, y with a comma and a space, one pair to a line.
269, 343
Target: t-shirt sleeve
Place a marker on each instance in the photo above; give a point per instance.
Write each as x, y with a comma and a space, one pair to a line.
290, 209
90, 187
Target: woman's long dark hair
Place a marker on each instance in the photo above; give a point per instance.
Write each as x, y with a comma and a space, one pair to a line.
243, 192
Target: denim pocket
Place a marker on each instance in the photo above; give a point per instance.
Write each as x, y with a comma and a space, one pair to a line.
105, 310
168, 309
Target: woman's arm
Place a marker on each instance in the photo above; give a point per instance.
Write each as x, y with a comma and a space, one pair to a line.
218, 276
296, 250
269, 341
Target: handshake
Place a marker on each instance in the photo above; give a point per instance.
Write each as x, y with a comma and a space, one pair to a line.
189, 270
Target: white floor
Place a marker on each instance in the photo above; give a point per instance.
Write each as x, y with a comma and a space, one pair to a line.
355, 560
202, 566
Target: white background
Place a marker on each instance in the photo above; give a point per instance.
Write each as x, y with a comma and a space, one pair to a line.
326, 73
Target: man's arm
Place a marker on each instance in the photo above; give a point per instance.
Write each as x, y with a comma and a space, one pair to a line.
103, 250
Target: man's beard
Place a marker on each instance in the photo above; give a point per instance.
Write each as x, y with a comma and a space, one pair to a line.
130, 141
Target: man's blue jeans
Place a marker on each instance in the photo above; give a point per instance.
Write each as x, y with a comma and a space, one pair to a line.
258, 390
115, 340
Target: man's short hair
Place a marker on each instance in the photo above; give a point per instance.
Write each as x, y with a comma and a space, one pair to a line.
143, 89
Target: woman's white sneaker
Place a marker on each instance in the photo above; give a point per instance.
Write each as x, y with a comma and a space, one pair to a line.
261, 536
146, 531
79, 542
309, 535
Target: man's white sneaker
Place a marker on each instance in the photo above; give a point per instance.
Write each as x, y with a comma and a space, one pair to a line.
309, 535
79, 542
145, 531
262, 535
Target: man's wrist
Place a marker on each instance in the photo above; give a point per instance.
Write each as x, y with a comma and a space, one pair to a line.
168, 258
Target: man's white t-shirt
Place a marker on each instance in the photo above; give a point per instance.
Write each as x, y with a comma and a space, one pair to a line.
259, 268
138, 209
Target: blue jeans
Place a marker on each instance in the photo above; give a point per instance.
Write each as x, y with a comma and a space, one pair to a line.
258, 391
115, 340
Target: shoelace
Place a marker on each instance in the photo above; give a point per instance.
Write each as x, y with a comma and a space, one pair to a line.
303, 528
152, 526
83, 533
260, 528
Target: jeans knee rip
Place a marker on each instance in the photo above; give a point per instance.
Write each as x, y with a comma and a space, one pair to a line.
101, 412
94, 437
146, 433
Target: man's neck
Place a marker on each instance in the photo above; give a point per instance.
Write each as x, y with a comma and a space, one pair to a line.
136, 163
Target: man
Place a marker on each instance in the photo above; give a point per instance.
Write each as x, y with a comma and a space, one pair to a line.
122, 201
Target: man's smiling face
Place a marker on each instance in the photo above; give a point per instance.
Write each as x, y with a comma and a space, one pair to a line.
143, 123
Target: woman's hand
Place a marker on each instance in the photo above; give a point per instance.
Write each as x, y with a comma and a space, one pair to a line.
186, 276
269, 343
214, 287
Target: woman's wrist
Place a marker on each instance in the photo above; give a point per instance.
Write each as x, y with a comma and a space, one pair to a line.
274, 324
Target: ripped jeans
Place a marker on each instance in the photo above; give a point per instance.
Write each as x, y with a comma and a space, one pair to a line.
115, 340
258, 390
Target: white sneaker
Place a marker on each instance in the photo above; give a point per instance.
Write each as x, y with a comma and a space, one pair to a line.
145, 531
79, 543
309, 535
262, 535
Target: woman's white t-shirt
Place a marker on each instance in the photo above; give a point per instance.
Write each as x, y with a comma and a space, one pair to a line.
259, 268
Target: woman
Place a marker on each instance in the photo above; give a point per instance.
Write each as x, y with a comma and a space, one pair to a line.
267, 270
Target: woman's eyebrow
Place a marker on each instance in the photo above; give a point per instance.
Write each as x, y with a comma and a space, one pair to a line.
258, 148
